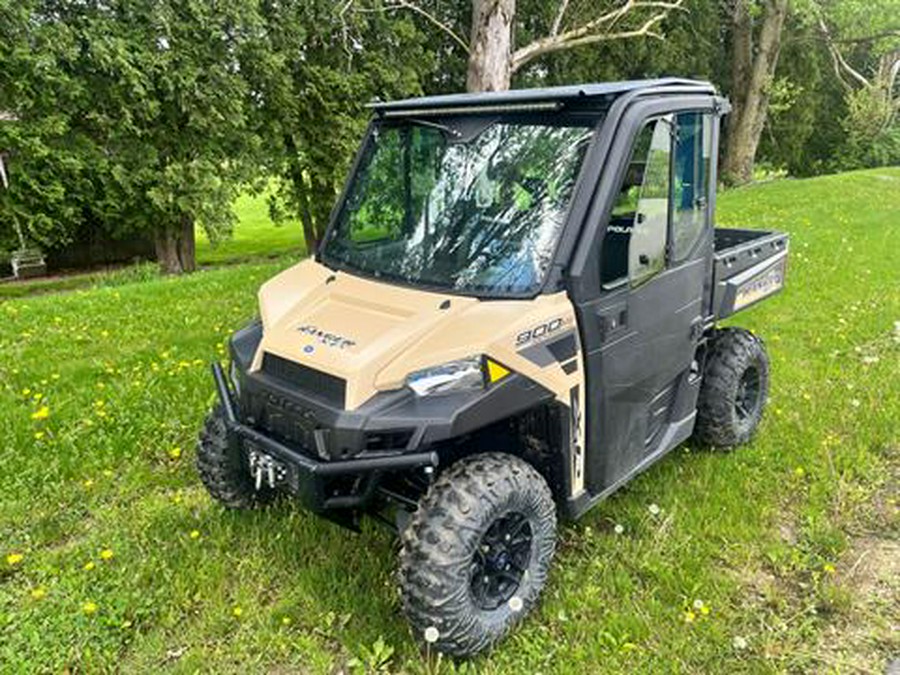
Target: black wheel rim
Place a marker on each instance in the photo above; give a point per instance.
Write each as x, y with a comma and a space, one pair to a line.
500, 561
746, 402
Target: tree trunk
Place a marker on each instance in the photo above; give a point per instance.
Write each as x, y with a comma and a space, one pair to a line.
301, 195
187, 247
752, 73
310, 235
490, 55
175, 247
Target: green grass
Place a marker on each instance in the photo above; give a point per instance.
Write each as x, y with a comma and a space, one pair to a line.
255, 236
753, 534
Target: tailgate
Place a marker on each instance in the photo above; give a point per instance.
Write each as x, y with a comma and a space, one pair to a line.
749, 265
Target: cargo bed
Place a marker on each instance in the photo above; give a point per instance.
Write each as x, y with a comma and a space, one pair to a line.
748, 265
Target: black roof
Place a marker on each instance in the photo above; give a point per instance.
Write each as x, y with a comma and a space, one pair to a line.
561, 94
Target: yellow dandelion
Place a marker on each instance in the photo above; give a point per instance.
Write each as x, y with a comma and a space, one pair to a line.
38, 435
41, 413
285, 621
14, 559
799, 472
26, 392
89, 565
689, 617
39, 593
89, 608
175, 452
195, 534
88, 483
238, 612
107, 554
704, 610
828, 568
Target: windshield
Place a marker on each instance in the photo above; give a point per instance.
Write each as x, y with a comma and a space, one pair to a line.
474, 209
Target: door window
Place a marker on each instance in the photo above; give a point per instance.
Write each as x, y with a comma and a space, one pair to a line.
634, 248
693, 146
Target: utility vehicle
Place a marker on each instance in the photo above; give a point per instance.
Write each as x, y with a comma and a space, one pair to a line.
512, 313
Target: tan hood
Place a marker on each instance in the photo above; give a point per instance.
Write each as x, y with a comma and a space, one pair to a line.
373, 334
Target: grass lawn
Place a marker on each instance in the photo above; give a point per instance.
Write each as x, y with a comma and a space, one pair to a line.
255, 236
783, 556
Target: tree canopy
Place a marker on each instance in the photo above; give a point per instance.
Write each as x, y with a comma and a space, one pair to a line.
146, 117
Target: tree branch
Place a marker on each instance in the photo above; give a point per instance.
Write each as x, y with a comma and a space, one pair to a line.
431, 18
595, 30
840, 64
557, 22
891, 32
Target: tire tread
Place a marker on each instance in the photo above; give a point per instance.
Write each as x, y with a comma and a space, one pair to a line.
433, 590
731, 352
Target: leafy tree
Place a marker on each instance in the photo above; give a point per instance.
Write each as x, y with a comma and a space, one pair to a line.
803, 128
317, 67
693, 47
863, 40
496, 52
53, 164
756, 28
149, 105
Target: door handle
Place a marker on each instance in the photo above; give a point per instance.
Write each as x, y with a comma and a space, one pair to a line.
613, 321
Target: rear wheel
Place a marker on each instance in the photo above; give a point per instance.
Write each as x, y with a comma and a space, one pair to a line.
477, 551
224, 467
734, 390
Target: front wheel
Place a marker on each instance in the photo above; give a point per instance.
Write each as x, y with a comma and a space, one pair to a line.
477, 551
224, 467
734, 390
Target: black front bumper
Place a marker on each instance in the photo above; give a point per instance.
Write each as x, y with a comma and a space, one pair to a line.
321, 485
338, 458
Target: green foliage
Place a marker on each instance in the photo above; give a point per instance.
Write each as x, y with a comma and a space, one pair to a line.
51, 165
869, 141
140, 116
315, 70
694, 46
133, 116
864, 40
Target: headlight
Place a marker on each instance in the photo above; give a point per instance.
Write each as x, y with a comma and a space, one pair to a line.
451, 376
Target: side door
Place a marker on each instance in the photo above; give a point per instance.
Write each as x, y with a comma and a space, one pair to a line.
642, 325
